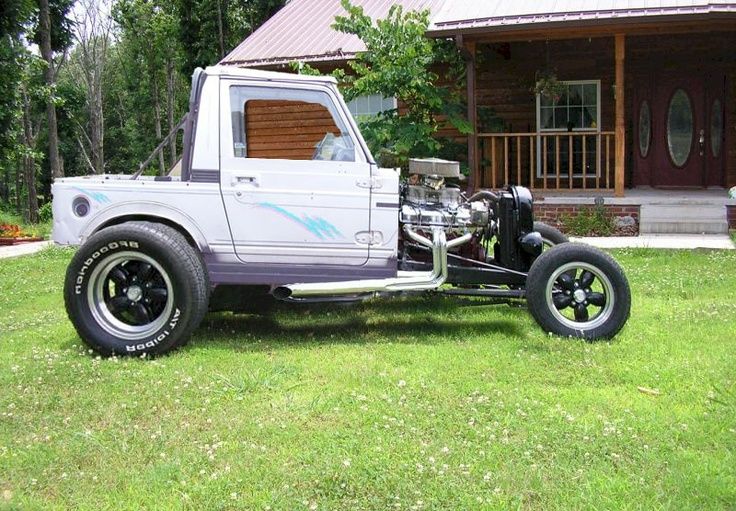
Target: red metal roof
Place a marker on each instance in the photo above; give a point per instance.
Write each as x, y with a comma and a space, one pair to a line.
460, 15
302, 30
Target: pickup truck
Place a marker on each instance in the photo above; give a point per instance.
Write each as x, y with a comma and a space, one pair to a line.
278, 198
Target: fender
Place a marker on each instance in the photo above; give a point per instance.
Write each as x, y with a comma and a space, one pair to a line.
143, 210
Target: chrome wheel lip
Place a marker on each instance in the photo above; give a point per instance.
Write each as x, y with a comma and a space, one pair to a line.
602, 315
104, 317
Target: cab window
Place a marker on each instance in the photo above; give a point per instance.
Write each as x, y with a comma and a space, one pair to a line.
288, 124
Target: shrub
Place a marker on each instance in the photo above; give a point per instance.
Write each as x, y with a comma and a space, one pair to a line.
45, 213
589, 221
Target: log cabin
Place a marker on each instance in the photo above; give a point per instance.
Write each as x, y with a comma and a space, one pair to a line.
630, 104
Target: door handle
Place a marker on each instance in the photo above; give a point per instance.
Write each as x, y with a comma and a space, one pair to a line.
701, 142
244, 179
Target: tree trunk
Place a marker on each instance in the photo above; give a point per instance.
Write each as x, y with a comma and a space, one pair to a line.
97, 129
19, 178
159, 135
5, 189
29, 162
220, 27
46, 53
170, 90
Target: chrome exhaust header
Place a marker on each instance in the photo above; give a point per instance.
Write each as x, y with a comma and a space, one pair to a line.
405, 281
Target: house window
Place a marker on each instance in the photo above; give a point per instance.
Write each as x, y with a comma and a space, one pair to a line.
287, 124
370, 105
575, 110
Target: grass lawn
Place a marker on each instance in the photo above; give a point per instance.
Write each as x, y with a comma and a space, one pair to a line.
403, 404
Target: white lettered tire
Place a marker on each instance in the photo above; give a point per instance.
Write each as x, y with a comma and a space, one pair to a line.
136, 288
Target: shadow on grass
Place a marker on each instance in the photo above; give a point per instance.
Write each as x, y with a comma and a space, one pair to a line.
423, 320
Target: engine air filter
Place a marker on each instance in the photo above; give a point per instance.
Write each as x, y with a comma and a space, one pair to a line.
434, 167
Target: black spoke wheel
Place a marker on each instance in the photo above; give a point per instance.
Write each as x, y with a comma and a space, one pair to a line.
136, 288
577, 290
130, 295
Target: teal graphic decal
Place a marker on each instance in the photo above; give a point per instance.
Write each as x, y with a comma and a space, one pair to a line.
316, 225
97, 196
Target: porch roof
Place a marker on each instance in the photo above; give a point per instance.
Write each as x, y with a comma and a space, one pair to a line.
471, 15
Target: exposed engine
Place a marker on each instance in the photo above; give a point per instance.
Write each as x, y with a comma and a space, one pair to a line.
433, 203
429, 202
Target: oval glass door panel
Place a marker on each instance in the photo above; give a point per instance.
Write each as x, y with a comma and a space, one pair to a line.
645, 129
679, 127
716, 128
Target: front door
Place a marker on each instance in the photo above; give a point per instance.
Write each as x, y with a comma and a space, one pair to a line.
680, 133
295, 187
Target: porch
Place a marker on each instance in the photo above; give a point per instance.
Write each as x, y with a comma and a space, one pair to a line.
638, 107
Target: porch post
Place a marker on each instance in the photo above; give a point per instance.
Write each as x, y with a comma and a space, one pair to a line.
472, 115
620, 154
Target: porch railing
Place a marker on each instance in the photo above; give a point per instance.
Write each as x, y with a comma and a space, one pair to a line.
551, 160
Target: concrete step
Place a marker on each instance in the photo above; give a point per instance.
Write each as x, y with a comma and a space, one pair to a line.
683, 228
683, 219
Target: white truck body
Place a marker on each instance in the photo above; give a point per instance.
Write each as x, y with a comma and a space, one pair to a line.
256, 220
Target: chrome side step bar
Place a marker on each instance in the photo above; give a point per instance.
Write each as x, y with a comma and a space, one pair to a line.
405, 281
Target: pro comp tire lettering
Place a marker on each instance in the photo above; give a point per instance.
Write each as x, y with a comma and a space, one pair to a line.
163, 335
96, 255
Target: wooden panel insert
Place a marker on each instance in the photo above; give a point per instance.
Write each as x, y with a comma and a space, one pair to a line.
289, 130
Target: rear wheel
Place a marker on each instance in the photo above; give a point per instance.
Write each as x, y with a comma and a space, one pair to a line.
136, 288
577, 290
550, 235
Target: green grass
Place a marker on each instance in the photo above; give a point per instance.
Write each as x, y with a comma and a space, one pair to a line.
400, 404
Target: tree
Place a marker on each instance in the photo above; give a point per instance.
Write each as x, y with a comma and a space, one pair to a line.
148, 47
401, 62
93, 38
210, 29
53, 37
16, 15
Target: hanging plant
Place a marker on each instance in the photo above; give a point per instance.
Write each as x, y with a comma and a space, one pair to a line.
548, 86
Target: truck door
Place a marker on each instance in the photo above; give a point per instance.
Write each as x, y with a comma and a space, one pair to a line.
295, 189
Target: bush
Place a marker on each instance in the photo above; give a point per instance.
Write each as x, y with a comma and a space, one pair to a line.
595, 221
45, 213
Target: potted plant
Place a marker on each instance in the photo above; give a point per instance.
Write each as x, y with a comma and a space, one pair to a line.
547, 85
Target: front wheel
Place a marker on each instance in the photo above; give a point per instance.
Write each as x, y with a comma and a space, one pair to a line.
136, 288
578, 290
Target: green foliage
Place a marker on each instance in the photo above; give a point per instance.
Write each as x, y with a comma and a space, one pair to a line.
14, 20
209, 29
62, 27
589, 221
401, 62
45, 213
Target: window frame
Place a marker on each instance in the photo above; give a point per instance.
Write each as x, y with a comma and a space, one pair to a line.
355, 115
337, 108
596, 130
